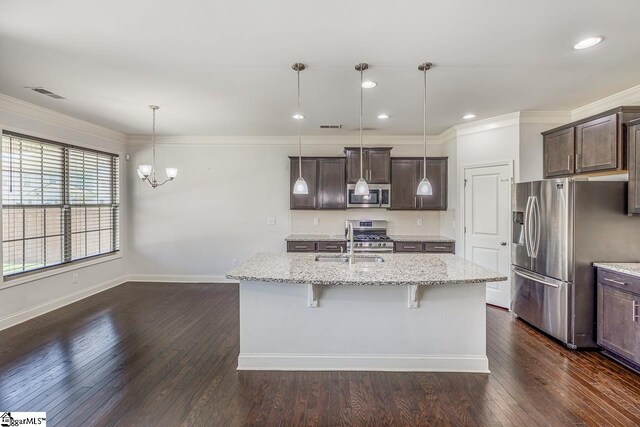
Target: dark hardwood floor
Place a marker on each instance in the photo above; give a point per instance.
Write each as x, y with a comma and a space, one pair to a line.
165, 355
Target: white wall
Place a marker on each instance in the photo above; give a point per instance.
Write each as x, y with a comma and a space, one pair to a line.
22, 301
217, 208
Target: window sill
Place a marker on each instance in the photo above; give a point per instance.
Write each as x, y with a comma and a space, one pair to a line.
8, 283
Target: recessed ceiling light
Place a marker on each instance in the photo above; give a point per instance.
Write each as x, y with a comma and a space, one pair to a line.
298, 116
383, 116
369, 84
469, 116
589, 42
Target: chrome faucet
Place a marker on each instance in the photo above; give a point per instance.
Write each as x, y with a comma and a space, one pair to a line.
351, 245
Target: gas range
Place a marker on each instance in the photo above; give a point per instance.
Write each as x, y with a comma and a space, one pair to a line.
369, 236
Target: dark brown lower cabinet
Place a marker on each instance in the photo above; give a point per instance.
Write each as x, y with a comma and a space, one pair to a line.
618, 316
406, 174
424, 247
325, 177
337, 246
633, 144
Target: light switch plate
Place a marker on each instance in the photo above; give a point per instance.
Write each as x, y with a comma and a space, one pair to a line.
419, 222
316, 221
271, 220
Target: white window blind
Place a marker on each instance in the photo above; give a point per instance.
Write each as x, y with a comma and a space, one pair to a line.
59, 203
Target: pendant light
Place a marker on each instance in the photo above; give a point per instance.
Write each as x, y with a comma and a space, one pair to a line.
300, 187
362, 188
148, 172
425, 188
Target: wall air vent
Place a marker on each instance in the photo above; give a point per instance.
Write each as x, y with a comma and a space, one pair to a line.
330, 126
43, 91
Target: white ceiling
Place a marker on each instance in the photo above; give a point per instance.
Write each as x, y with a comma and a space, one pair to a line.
223, 67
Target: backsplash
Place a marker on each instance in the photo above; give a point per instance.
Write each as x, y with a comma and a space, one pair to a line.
332, 222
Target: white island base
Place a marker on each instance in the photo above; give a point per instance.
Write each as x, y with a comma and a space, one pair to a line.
362, 328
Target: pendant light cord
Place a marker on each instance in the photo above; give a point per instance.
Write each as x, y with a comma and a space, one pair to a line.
424, 122
299, 131
361, 150
153, 144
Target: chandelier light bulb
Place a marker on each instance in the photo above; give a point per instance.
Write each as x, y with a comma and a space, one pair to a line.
171, 172
145, 170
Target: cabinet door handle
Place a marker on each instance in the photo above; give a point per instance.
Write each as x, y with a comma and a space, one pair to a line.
409, 247
615, 281
569, 162
440, 247
302, 247
331, 247
635, 311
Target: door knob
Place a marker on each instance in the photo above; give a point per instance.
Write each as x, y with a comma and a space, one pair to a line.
503, 243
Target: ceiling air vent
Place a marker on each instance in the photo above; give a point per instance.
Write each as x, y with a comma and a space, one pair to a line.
330, 126
43, 91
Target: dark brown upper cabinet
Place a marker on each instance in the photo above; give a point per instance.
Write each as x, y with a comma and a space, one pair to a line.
438, 176
325, 178
559, 149
633, 143
407, 172
376, 165
332, 193
595, 144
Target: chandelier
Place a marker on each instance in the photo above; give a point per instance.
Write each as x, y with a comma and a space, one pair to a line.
148, 172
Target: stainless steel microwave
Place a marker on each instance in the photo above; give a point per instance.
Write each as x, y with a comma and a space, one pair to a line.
379, 197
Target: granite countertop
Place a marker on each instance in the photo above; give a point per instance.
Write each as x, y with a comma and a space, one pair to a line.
398, 269
630, 268
420, 238
315, 237
393, 237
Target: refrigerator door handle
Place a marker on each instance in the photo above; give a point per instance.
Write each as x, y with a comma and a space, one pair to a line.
547, 281
535, 244
527, 226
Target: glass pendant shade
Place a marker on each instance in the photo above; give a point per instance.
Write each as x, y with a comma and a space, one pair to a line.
424, 188
140, 174
171, 172
362, 188
300, 186
145, 170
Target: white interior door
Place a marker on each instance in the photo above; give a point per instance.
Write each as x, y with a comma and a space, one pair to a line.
486, 220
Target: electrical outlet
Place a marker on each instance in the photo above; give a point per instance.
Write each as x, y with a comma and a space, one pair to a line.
234, 263
75, 279
271, 220
419, 222
316, 221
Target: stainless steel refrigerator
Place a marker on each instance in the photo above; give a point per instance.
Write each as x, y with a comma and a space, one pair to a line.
560, 228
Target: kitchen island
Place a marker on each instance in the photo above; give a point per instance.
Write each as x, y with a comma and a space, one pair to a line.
391, 312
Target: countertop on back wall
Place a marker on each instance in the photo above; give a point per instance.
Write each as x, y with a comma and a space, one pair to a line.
420, 238
394, 237
630, 268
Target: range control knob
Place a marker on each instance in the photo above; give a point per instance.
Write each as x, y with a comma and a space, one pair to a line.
369, 244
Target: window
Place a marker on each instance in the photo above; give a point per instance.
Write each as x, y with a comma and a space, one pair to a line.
59, 203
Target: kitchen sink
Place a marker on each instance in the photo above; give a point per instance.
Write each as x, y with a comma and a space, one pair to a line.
345, 259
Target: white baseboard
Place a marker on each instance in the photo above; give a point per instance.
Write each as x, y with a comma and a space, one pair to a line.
169, 278
39, 310
384, 362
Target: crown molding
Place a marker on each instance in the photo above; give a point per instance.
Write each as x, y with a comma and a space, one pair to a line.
630, 96
18, 107
339, 140
484, 125
545, 117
